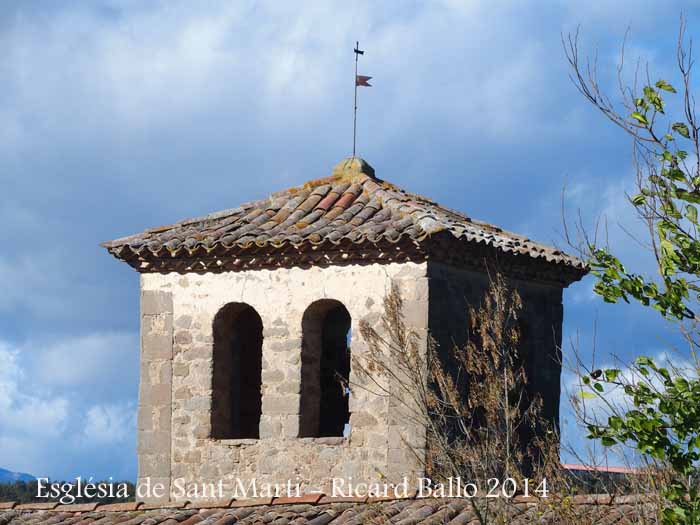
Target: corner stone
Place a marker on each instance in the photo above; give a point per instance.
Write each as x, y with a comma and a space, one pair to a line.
153, 302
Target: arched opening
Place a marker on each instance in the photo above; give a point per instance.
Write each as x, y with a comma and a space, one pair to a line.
237, 367
325, 370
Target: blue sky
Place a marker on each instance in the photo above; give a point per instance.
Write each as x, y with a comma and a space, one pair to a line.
120, 115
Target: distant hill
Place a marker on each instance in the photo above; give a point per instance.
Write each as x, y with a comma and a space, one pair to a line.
7, 476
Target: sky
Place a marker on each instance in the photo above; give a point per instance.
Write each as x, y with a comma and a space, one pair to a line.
116, 116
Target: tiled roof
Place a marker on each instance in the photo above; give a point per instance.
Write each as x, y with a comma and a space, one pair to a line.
351, 206
321, 511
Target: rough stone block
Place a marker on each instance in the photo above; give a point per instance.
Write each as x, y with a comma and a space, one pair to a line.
184, 321
155, 395
280, 405
144, 418
272, 376
202, 431
156, 346
183, 337
290, 425
197, 403
154, 443
270, 427
164, 418
157, 324
183, 392
165, 373
363, 420
198, 352
155, 466
416, 314
289, 387
275, 331
282, 345
181, 369
155, 302
376, 440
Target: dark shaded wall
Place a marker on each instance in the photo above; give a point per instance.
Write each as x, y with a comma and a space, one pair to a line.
452, 290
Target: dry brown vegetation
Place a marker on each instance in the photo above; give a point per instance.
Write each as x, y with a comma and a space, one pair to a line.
473, 400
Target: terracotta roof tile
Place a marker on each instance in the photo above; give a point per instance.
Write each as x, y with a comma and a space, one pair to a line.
38, 506
306, 498
428, 511
123, 507
210, 504
76, 507
351, 206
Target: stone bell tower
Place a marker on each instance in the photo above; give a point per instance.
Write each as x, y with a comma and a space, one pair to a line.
250, 316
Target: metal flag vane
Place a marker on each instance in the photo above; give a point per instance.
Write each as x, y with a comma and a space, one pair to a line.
360, 80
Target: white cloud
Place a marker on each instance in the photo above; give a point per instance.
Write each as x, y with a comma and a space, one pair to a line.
9, 375
21, 410
109, 424
49, 425
98, 355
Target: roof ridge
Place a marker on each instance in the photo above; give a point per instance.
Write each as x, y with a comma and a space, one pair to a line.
351, 206
342, 171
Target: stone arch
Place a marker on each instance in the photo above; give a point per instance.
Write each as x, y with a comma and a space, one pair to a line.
237, 370
325, 369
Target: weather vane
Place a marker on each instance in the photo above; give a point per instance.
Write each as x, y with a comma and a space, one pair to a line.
360, 80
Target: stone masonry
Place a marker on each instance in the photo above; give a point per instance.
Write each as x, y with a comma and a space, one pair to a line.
156, 386
177, 315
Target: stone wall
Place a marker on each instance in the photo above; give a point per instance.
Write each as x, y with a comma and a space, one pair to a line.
155, 391
177, 316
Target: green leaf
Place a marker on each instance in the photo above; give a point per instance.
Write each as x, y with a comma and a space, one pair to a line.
681, 129
615, 423
643, 360
676, 174
639, 118
688, 196
662, 84
587, 395
666, 248
611, 374
608, 441
638, 200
